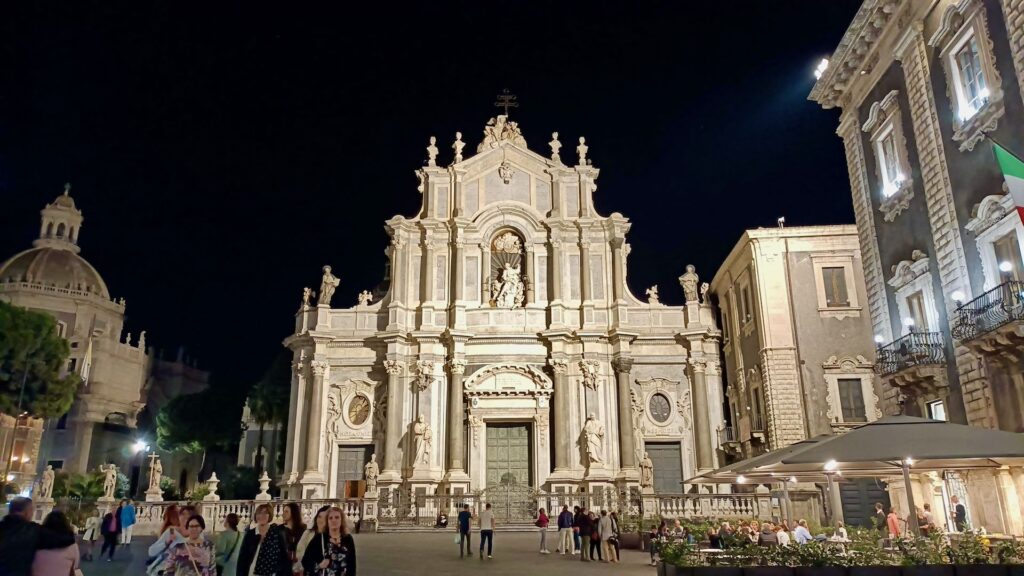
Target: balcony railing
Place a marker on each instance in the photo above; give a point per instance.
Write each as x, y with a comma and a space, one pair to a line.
726, 435
914, 349
757, 422
997, 307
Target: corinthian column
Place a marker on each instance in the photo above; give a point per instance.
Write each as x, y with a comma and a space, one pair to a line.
701, 422
392, 455
314, 431
456, 418
627, 454
562, 440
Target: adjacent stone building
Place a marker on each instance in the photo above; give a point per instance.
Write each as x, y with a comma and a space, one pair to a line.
922, 87
507, 350
796, 337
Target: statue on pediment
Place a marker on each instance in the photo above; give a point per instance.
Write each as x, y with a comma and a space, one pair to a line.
500, 129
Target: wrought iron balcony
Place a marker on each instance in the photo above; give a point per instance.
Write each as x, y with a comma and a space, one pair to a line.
726, 435
997, 307
914, 349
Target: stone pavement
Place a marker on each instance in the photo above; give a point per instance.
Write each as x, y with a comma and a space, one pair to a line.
433, 554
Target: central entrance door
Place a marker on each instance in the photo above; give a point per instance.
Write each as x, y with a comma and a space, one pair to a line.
668, 466
509, 478
351, 460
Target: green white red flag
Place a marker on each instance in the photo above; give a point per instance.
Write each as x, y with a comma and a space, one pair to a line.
1013, 173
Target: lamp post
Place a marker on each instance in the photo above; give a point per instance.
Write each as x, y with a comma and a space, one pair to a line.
912, 512
835, 500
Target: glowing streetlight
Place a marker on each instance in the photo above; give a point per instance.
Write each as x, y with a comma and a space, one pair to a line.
139, 446
1005, 266
879, 339
831, 465
957, 296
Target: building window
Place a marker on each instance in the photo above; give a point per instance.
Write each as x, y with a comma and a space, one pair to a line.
972, 91
72, 364
936, 410
918, 316
851, 400
62, 329
1007, 252
885, 126
889, 162
835, 287
998, 233
725, 319
747, 306
915, 294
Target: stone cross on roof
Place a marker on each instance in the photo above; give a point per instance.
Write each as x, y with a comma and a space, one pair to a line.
507, 100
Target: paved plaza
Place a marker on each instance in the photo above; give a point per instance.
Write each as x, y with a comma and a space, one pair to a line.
515, 553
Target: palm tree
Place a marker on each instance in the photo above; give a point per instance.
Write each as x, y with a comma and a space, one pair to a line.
268, 402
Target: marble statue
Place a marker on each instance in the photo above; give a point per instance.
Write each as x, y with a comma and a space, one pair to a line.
327, 286
109, 480
364, 298
508, 292
432, 152
704, 287
556, 146
371, 471
582, 151
46, 484
589, 369
498, 130
592, 439
422, 439
652, 295
156, 472
689, 281
307, 293
646, 472
458, 146
637, 409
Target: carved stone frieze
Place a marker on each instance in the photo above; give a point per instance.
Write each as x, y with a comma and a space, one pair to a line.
424, 374
589, 370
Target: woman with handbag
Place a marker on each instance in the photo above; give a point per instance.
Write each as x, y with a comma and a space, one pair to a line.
542, 525
333, 552
264, 547
229, 544
319, 526
195, 556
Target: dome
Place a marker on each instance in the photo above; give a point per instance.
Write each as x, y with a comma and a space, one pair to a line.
54, 267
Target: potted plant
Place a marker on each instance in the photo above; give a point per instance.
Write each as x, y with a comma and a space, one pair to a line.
970, 556
866, 557
924, 557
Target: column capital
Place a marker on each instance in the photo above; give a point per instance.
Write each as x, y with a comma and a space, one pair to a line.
319, 367
623, 365
699, 365
457, 366
559, 366
394, 367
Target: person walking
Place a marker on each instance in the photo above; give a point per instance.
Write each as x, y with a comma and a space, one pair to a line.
959, 514
264, 547
606, 533
332, 552
195, 556
319, 526
565, 534
127, 521
892, 523
585, 528
542, 527
56, 560
92, 533
111, 531
465, 522
228, 546
879, 518
487, 531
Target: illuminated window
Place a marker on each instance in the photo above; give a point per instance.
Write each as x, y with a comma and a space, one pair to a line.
937, 410
973, 87
1007, 250
916, 306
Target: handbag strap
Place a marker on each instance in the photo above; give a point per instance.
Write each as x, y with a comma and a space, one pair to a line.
188, 549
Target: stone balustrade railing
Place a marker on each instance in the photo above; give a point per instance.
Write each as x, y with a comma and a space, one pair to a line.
150, 515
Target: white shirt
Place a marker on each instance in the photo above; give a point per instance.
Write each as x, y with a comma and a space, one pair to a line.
487, 520
783, 537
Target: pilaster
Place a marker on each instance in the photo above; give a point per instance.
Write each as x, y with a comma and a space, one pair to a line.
701, 417
783, 402
313, 478
627, 451
393, 439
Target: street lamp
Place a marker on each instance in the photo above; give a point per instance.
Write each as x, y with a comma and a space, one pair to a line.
832, 470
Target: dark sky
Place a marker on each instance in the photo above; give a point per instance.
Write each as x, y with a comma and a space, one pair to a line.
223, 153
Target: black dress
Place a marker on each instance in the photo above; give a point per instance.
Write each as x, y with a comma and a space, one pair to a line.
273, 558
341, 554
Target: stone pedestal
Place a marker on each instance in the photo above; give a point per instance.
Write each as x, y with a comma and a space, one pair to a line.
43, 506
369, 513
154, 495
104, 501
264, 495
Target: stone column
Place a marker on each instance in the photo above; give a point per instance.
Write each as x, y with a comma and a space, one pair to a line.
618, 276
585, 271
401, 290
701, 426
485, 274
392, 455
315, 418
556, 269
627, 454
531, 281
562, 435
456, 418
291, 454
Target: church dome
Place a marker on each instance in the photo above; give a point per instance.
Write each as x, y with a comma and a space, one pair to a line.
54, 267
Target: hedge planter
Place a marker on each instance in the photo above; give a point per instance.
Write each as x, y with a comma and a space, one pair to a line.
820, 571
981, 570
767, 571
874, 571
935, 570
718, 571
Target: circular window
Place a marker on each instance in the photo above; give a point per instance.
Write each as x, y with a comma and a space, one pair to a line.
660, 408
358, 410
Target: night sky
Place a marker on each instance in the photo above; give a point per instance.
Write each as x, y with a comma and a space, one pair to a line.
222, 154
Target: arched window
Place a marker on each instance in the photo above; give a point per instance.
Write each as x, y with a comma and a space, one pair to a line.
60, 230
49, 230
71, 234
507, 277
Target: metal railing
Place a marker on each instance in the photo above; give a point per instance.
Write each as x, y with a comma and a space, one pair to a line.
914, 349
726, 435
757, 422
997, 307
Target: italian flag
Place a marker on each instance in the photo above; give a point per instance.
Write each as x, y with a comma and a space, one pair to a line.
1013, 172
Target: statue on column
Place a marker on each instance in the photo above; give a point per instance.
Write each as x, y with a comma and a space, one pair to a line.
307, 293
689, 281
46, 484
109, 480
156, 472
371, 471
592, 440
646, 472
422, 439
327, 286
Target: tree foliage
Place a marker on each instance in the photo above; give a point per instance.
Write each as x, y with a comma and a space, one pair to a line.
268, 400
197, 423
32, 352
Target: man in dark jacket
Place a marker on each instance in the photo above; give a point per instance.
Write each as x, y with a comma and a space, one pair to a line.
565, 521
586, 526
20, 537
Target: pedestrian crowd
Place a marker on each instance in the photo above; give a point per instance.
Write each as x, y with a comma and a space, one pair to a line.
184, 546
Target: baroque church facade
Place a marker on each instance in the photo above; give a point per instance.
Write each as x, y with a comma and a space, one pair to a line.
507, 349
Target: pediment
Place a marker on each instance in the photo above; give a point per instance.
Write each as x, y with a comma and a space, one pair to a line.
491, 159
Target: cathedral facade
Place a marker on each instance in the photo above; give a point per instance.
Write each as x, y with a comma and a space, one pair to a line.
507, 349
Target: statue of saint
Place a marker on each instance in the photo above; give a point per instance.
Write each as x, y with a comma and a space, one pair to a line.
509, 293
109, 479
46, 484
371, 471
307, 293
646, 472
422, 438
156, 472
327, 286
689, 281
592, 440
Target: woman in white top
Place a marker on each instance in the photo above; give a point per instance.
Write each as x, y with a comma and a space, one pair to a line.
92, 533
783, 535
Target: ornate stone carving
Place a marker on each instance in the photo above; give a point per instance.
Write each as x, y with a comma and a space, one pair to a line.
525, 372
637, 412
541, 422
704, 287
457, 146
425, 374
652, 295
370, 472
592, 442
581, 151
422, 441
508, 291
307, 293
393, 367
319, 367
477, 424
907, 270
589, 370
46, 484
457, 366
498, 130
622, 365
328, 284
989, 212
558, 366
684, 408
555, 147
380, 417
689, 281
364, 298
508, 243
432, 152
505, 172
109, 480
